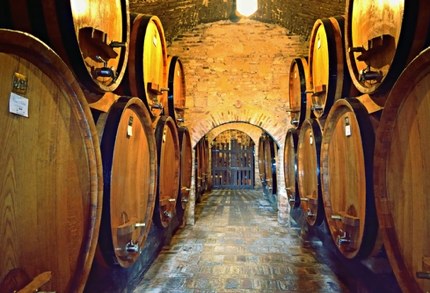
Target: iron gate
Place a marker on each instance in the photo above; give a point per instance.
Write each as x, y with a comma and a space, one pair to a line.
233, 164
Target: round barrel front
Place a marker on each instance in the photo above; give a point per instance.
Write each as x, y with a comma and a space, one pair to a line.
168, 152
176, 97
52, 184
146, 75
402, 165
290, 167
91, 36
329, 79
347, 184
130, 166
186, 166
381, 37
308, 159
298, 97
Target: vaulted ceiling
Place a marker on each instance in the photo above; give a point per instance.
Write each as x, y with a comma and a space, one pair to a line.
178, 16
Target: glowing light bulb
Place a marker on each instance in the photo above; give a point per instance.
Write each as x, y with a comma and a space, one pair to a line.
247, 7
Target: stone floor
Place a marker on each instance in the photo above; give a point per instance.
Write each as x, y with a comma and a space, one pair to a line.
237, 245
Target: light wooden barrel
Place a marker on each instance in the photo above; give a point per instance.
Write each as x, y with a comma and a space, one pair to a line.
299, 102
347, 176
91, 36
51, 170
130, 170
308, 160
290, 167
186, 166
146, 75
329, 78
381, 37
177, 94
269, 158
402, 165
168, 153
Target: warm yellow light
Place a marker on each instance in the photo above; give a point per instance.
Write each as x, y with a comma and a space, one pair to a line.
247, 7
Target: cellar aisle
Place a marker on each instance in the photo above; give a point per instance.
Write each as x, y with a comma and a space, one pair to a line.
237, 245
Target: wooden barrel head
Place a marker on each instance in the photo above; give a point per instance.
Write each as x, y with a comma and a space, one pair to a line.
308, 160
186, 166
402, 165
52, 184
269, 164
299, 106
381, 37
168, 153
261, 167
327, 70
146, 75
290, 167
346, 177
130, 166
91, 36
177, 93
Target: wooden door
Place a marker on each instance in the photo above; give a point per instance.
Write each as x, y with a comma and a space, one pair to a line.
233, 161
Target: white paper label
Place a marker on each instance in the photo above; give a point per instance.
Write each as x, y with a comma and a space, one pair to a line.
348, 130
129, 130
18, 105
311, 140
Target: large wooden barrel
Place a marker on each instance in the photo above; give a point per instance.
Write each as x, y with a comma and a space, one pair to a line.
177, 94
202, 165
308, 160
51, 170
347, 176
299, 102
329, 78
168, 152
92, 36
268, 152
261, 161
381, 37
186, 166
146, 75
290, 167
130, 170
402, 166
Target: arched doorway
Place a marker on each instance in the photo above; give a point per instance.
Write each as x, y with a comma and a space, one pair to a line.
233, 161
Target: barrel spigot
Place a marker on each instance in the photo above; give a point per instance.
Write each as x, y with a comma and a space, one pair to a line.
132, 247
343, 239
104, 71
369, 75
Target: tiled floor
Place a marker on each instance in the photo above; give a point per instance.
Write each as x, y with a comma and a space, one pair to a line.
237, 245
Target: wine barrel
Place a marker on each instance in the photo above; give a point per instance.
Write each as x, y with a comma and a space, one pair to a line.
381, 37
146, 75
308, 160
130, 170
299, 103
269, 165
91, 36
290, 167
402, 165
168, 152
177, 95
261, 160
186, 166
51, 170
329, 78
347, 176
